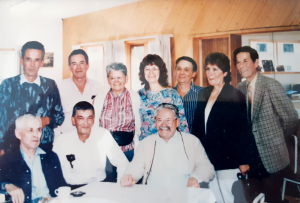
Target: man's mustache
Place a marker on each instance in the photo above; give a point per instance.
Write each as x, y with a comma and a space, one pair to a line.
164, 128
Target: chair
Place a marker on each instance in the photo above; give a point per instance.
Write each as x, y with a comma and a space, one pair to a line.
260, 197
295, 170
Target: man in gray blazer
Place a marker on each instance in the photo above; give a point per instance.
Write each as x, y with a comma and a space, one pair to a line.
272, 117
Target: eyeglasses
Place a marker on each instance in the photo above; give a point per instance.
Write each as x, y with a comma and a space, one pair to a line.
168, 122
116, 78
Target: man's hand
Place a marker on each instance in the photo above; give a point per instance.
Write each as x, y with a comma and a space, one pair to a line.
127, 180
17, 194
193, 182
45, 121
244, 169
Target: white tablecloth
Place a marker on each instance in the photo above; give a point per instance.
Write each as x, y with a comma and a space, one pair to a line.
114, 193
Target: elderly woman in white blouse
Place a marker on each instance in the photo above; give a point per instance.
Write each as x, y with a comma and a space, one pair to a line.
118, 109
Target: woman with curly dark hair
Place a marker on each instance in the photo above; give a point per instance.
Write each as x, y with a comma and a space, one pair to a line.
154, 75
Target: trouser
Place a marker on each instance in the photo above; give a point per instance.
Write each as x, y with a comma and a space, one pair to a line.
111, 170
270, 184
221, 185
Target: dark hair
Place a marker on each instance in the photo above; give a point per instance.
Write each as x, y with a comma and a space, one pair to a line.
253, 53
189, 59
82, 105
153, 59
222, 61
79, 51
33, 45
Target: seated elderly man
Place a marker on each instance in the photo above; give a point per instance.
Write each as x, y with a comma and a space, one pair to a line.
169, 158
83, 151
29, 174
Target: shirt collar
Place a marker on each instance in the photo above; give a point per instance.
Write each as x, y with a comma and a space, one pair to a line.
37, 152
115, 96
191, 88
36, 81
253, 82
173, 139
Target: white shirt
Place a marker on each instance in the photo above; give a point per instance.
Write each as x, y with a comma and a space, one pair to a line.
170, 165
90, 157
70, 95
36, 81
252, 90
38, 185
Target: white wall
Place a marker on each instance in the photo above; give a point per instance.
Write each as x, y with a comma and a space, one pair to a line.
284, 79
17, 28
36, 20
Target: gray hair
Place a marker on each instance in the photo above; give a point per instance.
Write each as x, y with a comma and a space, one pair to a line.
116, 66
171, 107
21, 121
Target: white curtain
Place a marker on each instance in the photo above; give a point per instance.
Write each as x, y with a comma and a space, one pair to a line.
162, 47
114, 51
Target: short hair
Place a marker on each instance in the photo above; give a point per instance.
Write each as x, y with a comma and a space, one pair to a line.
153, 59
79, 51
169, 106
82, 105
220, 60
20, 121
253, 53
33, 45
116, 66
189, 59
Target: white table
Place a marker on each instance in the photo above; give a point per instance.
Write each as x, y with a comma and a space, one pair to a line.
114, 193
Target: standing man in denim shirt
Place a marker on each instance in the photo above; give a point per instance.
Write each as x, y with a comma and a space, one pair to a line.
29, 93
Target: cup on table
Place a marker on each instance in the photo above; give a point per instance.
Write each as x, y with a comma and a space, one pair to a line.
63, 192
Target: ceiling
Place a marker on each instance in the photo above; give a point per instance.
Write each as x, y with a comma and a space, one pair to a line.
49, 9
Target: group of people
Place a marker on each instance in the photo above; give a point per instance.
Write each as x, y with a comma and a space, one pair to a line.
73, 133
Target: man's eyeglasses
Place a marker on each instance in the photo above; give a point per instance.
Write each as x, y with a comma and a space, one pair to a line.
168, 122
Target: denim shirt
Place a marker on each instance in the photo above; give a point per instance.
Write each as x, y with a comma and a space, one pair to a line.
38, 181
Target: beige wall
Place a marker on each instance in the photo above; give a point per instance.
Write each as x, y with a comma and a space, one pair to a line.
182, 18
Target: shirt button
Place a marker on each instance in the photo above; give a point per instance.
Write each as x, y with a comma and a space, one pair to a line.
27, 197
27, 182
27, 171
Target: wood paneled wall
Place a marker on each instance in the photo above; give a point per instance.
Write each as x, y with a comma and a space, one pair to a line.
182, 18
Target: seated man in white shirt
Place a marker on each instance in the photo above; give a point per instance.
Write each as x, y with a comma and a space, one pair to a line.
169, 158
83, 151
76, 88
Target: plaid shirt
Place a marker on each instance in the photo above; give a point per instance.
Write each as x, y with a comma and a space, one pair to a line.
117, 114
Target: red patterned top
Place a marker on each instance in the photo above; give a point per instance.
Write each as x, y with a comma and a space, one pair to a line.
117, 114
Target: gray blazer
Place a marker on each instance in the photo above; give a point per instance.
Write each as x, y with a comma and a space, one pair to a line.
273, 118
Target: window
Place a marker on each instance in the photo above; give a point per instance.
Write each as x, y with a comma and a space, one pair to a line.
135, 51
96, 65
137, 55
9, 64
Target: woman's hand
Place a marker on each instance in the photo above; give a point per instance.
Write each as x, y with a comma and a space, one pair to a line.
244, 169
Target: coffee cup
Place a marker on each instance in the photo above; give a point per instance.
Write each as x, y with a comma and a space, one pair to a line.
63, 192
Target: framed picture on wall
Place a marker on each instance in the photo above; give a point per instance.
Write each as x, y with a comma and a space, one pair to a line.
48, 60
268, 65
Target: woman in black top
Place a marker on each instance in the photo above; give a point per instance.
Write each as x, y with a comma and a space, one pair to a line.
221, 124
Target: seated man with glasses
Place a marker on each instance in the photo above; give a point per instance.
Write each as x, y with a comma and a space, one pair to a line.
169, 158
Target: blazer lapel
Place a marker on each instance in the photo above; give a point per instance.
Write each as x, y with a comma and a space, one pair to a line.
258, 95
243, 88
